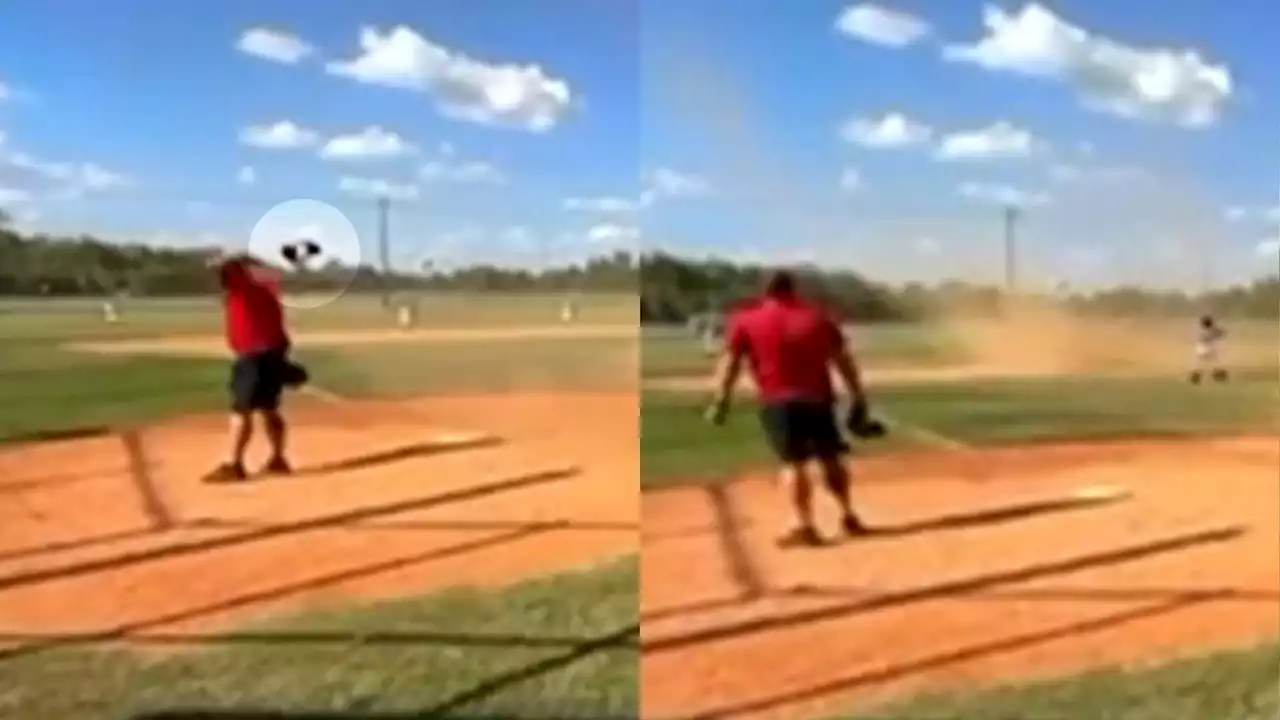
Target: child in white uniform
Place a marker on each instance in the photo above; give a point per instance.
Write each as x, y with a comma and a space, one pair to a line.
1208, 341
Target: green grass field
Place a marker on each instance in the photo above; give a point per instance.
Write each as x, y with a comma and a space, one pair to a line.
559, 647
678, 447
1240, 685
46, 387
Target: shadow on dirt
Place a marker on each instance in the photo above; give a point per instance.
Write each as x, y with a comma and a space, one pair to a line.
399, 454
956, 521
192, 547
888, 600
943, 659
991, 516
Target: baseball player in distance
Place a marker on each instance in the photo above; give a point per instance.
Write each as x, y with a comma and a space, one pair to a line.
261, 370
1209, 336
790, 346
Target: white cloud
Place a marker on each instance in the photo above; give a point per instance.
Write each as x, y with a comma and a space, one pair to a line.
377, 188
95, 177
663, 182
14, 196
603, 205
890, 131
881, 26
371, 143
283, 135
1242, 213
247, 176
1172, 85
273, 45
850, 180
613, 236
1002, 194
504, 94
75, 178
999, 140
1269, 248
927, 246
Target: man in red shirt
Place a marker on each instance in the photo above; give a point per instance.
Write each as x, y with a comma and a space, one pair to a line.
256, 334
790, 346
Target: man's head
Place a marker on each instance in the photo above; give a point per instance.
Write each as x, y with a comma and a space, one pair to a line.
1206, 321
781, 285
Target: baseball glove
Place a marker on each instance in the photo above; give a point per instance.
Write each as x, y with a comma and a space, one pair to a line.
860, 424
294, 375
300, 252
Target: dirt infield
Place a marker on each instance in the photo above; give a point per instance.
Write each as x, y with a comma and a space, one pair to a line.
115, 537
206, 345
1027, 570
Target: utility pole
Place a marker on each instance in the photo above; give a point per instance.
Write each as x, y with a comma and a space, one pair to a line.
384, 248
1011, 216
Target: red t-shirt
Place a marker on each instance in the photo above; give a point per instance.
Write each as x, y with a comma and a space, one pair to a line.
254, 315
789, 344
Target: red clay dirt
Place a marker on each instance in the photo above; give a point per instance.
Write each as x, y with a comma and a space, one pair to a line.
1000, 576
86, 546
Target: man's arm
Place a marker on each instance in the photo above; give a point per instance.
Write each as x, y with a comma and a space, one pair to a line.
728, 368
846, 365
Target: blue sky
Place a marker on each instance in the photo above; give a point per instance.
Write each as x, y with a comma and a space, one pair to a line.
885, 137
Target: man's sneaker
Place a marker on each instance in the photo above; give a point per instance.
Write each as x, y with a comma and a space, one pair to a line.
803, 536
278, 466
226, 473
853, 526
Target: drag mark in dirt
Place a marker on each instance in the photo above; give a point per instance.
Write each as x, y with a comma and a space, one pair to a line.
737, 556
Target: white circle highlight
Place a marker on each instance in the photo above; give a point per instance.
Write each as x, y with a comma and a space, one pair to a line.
327, 275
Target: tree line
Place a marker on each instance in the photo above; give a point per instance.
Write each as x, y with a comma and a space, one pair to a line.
40, 265
671, 288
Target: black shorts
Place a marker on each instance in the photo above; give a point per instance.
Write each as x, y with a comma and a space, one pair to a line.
803, 430
258, 380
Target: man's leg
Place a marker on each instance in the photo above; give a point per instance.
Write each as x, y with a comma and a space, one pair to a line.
240, 427
794, 476
277, 433
782, 432
830, 448
836, 477
267, 400
241, 434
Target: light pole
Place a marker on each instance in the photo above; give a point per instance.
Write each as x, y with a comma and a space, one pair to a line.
1012, 213
384, 248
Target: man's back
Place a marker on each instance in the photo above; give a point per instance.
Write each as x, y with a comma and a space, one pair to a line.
254, 315
789, 344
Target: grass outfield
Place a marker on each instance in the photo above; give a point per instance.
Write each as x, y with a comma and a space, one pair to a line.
559, 647
677, 446
45, 388
61, 320
1242, 685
